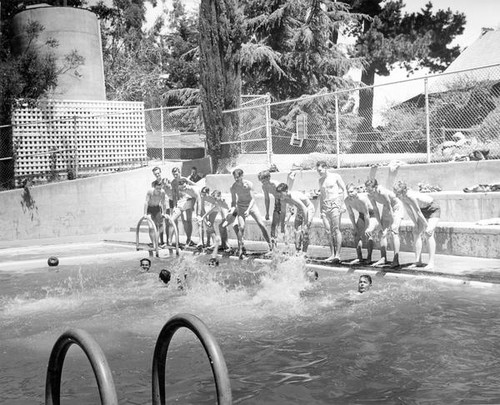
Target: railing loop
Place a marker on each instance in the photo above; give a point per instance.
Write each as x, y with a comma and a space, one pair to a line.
151, 225
97, 359
168, 218
217, 362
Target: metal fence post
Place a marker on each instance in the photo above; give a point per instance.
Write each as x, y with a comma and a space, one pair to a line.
427, 124
269, 135
162, 138
337, 132
75, 146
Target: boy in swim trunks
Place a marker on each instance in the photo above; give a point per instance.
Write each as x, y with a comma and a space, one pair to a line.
188, 198
185, 207
331, 205
303, 216
168, 192
389, 220
364, 225
154, 207
243, 205
425, 213
213, 219
269, 188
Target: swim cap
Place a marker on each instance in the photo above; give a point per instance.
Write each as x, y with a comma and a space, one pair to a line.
53, 261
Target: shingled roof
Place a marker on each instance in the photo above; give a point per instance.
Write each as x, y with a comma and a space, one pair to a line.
484, 51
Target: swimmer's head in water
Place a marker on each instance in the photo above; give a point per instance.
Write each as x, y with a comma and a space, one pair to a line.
145, 264
165, 276
53, 261
213, 262
205, 191
312, 275
364, 283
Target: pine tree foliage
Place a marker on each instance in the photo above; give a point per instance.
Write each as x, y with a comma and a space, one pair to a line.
221, 35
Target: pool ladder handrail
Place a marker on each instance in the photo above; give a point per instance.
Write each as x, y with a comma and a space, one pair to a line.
215, 356
152, 225
93, 351
103, 374
168, 218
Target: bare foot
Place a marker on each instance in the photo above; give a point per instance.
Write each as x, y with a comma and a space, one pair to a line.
379, 263
355, 261
429, 267
332, 259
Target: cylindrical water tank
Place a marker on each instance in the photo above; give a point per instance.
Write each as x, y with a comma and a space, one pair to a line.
74, 29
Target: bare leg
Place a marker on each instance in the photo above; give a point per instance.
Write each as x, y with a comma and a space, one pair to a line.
383, 250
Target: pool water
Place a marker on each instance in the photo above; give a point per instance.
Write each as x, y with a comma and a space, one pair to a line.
285, 340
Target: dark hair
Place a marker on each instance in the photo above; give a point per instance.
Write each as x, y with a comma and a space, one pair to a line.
145, 259
176, 169
367, 276
238, 172
155, 169
194, 168
282, 187
216, 193
371, 183
205, 190
157, 183
165, 276
264, 174
182, 181
351, 185
321, 163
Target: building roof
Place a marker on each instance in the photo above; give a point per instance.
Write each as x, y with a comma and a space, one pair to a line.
485, 51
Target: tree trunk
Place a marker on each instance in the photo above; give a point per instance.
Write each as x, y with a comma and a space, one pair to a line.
220, 27
364, 139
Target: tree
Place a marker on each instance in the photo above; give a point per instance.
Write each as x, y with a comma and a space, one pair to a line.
133, 57
291, 47
221, 35
28, 75
390, 39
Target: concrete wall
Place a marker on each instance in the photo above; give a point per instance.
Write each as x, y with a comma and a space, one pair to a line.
451, 177
114, 203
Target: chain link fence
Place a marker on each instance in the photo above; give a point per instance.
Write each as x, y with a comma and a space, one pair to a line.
452, 116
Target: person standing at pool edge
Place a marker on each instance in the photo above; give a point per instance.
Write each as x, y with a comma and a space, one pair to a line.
154, 207
303, 215
331, 205
364, 225
389, 220
425, 213
243, 205
168, 193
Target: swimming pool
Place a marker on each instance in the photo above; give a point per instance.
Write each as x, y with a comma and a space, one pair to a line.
285, 340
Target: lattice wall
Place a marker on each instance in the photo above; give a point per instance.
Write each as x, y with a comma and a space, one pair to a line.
86, 136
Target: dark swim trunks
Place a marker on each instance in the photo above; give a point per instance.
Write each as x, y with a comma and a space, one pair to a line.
433, 210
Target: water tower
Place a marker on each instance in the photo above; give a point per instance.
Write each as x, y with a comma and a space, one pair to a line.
73, 29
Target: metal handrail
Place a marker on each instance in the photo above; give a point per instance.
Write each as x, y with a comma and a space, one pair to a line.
151, 224
168, 218
217, 362
97, 359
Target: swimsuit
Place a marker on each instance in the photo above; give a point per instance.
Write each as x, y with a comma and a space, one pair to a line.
299, 217
433, 210
333, 207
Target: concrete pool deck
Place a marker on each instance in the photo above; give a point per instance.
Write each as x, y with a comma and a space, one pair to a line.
459, 268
